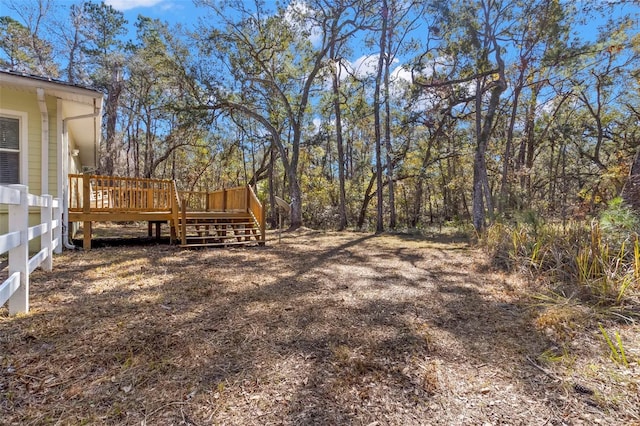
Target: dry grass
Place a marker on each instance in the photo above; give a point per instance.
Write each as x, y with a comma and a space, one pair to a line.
321, 328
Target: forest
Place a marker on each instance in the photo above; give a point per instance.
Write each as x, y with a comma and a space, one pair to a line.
374, 115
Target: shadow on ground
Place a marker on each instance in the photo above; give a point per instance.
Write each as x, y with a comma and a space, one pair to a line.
322, 329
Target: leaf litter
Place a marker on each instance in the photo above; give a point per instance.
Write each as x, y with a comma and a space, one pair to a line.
313, 328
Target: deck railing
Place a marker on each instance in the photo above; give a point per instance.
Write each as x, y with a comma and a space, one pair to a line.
109, 194
15, 289
222, 200
116, 194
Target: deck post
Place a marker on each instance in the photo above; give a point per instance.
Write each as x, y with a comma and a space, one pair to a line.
175, 207
224, 199
86, 235
184, 223
247, 199
86, 208
158, 228
172, 233
86, 193
263, 228
149, 189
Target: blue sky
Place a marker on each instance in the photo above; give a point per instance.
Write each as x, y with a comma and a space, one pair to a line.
173, 11
186, 13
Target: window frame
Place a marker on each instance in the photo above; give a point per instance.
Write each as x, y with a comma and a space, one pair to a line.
23, 156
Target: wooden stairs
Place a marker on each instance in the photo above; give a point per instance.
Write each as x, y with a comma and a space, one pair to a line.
227, 217
206, 229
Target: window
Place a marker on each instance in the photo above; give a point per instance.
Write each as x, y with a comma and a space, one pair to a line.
9, 150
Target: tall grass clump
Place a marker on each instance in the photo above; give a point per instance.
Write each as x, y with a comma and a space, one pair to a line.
597, 260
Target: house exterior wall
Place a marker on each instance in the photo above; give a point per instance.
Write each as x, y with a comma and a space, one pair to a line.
70, 108
52, 112
27, 103
15, 100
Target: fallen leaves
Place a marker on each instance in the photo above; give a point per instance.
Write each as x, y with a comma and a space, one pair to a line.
322, 328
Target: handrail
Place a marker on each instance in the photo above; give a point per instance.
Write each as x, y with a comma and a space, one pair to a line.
176, 204
254, 206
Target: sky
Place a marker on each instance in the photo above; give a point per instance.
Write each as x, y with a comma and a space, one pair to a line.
186, 13
172, 11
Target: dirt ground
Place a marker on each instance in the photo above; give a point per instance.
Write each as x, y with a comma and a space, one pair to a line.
315, 329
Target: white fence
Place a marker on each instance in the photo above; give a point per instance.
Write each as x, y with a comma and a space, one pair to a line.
15, 289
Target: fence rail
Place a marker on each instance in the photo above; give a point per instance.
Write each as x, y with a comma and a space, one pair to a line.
15, 289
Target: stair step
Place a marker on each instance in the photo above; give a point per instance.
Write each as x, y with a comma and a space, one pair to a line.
216, 229
222, 218
220, 224
191, 230
222, 244
220, 237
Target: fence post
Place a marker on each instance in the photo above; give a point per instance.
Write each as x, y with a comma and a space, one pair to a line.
57, 217
19, 256
46, 240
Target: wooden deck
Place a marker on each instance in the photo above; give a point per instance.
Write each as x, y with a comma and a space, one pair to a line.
225, 217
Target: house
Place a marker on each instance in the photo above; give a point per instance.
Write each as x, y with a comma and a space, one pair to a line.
48, 129
49, 137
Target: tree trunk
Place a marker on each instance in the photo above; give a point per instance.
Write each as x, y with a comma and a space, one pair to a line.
365, 202
503, 201
483, 129
631, 189
387, 129
478, 199
296, 201
111, 111
273, 208
377, 123
342, 203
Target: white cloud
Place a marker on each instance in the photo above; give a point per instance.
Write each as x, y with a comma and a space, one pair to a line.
401, 73
365, 66
123, 5
297, 14
316, 125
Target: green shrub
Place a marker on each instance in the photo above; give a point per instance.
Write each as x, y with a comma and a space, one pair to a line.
599, 261
619, 220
